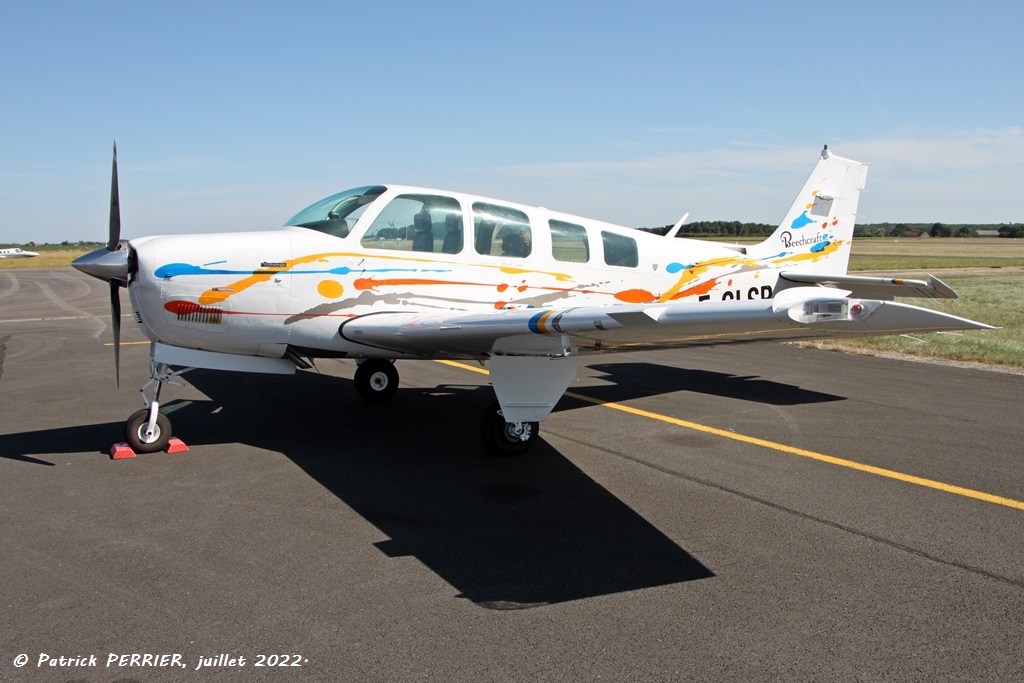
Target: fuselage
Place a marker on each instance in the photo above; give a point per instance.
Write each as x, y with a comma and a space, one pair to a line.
384, 249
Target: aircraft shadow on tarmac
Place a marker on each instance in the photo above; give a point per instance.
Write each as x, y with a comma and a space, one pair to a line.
506, 533
638, 380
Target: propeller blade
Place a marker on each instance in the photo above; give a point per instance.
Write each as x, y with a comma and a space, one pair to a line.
115, 209
115, 319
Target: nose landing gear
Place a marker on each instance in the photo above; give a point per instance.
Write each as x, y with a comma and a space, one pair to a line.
148, 430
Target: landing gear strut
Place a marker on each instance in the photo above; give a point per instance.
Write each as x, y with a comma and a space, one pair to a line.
376, 380
506, 438
148, 430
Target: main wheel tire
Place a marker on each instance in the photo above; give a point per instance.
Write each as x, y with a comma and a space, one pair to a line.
135, 432
376, 380
503, 438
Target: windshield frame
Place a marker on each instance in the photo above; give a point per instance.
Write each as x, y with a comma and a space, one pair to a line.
332, 214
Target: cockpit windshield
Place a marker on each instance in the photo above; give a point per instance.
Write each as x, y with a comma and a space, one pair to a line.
336, 215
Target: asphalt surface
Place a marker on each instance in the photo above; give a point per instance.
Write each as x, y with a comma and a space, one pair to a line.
378, 543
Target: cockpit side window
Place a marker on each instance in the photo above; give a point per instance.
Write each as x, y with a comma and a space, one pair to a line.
337, 215
619, 250
417, 222
501, 231
569, 242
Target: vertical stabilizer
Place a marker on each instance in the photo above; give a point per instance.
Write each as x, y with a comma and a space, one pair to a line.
816, 234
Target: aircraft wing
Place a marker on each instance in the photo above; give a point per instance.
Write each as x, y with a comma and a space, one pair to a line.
795, 313
886, 288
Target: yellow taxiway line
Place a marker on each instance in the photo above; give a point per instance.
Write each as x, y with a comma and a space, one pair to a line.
783, 448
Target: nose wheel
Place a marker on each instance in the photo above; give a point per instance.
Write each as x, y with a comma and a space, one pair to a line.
142, 439
376, 380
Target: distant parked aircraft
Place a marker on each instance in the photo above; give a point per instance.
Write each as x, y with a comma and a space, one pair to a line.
17, 252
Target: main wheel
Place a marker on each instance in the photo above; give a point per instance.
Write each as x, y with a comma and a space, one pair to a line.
376, 380
135, 432
506, 438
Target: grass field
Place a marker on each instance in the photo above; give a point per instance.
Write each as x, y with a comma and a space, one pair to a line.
993, 298
936, 253
48, 258
992, 292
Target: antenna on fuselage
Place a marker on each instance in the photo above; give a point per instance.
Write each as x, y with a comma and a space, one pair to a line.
675, 228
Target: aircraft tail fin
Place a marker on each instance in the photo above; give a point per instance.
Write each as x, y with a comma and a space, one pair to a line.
816, 234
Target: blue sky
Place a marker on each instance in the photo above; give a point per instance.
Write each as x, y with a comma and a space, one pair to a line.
233, 116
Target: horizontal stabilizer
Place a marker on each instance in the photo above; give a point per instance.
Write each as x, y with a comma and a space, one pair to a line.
886, 288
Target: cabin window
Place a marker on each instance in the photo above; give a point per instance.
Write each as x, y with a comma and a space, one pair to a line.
569, 242
619, 250
417, 222
501, 231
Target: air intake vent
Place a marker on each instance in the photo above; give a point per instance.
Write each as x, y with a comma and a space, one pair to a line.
189, 312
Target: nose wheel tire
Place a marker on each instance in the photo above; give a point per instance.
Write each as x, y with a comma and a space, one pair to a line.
376, 380
503, 438
135, 432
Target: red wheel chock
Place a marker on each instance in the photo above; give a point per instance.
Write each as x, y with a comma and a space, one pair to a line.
122, 451
175, 446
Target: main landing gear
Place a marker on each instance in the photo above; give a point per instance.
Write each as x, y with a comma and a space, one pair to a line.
506, 438
376, 381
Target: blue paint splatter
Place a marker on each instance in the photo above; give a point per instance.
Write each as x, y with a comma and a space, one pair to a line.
801, 220
677, 267
820, 246
178, 269
175, 269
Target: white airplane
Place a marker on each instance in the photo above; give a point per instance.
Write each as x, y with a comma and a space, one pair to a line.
384, 273
16, 252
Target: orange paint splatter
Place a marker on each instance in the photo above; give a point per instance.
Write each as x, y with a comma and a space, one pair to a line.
635, 296
213, 297
702, 288
330, 289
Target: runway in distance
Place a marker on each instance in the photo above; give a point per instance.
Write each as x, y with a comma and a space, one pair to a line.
388, 272
16, 252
